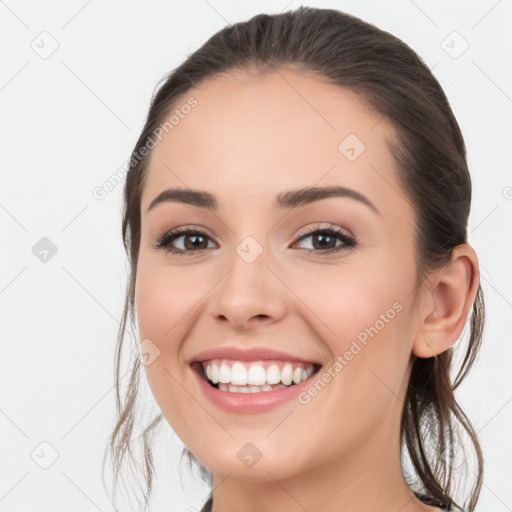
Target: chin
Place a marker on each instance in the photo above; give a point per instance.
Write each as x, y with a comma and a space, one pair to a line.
236, 462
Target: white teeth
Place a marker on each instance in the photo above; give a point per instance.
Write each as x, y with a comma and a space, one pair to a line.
257, 375
224, 373
273, 374
245, 377
286, 374
238, 375
215, 373
247, 389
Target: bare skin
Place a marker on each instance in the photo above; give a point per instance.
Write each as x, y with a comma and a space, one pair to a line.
249, 139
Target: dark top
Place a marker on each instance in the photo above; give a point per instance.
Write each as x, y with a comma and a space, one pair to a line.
428, 500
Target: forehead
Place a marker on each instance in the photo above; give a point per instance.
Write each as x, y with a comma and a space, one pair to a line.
250, 135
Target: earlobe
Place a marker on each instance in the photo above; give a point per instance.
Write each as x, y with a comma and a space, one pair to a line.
450, 298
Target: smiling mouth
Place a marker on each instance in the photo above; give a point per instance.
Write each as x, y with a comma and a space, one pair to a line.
254, 377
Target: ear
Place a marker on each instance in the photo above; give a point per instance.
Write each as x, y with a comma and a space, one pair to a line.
447, 303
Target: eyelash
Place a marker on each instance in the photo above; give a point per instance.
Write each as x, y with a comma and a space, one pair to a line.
164, 242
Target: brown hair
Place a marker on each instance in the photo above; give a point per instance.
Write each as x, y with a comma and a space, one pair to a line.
432, 170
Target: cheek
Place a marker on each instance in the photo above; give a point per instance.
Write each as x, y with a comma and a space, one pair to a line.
157, 312
168, 302
362, 318
361, 314
154, 309
163, 322
163, 299
347, 301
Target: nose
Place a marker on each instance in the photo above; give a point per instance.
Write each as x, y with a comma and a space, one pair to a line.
249, 295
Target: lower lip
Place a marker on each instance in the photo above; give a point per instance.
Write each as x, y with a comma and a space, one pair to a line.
250, 403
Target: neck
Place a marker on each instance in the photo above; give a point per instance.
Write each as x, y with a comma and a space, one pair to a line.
364, 480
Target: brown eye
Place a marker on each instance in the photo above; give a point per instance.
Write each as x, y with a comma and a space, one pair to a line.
324, 240
196, 241
192, 241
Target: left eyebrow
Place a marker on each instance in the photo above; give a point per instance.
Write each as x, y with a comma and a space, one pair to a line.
302, 196
284, 201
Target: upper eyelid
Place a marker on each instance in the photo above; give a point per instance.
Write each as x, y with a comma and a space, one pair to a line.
326, 226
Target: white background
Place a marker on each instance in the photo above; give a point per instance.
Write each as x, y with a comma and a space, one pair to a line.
69, 121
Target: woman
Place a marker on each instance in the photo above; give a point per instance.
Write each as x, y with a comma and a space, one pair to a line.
295, 218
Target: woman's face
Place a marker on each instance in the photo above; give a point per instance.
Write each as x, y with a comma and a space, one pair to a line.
258, 276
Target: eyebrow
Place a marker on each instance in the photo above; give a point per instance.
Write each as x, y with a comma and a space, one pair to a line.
284, 201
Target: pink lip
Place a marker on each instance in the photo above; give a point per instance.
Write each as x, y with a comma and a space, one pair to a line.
249, 354
249, 403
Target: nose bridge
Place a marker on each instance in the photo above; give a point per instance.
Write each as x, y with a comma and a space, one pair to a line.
249, 289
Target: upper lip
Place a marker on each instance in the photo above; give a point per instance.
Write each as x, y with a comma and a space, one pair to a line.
248, 354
